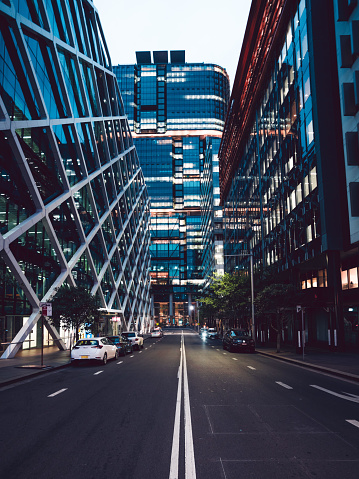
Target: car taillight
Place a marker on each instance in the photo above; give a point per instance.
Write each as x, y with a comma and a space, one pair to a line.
97, 347
136, 339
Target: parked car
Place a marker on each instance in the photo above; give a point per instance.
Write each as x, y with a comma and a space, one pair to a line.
135, 337
212, 333
240, 340
123, 344
99, 349
157, 333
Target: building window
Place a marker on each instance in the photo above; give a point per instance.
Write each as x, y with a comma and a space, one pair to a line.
353, 278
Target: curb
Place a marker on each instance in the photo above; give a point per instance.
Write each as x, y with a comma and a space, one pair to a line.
32, 375
333, 372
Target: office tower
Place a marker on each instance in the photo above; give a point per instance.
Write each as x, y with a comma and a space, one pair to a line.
176, 111
289, 195
346, 16
74, 207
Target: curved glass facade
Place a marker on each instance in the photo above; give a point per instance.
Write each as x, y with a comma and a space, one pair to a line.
74, 206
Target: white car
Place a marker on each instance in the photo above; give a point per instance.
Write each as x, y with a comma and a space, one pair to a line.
99, 349
157, 333
135, 337
212, 333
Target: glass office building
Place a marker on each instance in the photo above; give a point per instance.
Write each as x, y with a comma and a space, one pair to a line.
176, 111
284, 182
74, 207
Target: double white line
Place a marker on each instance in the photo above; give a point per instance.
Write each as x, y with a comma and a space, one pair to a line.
190, 466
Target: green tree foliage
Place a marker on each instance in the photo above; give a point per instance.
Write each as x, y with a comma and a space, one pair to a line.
74, 307
228, 297
277, 302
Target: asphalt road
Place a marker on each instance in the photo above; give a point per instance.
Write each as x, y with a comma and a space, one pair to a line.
181, 408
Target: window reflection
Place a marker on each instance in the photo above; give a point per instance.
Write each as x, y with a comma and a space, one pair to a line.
15, 85
84, 208
37, 258
82, 273
72, 83
83, 131
16, 203
65, 227
44, 64
39, 155
68, 151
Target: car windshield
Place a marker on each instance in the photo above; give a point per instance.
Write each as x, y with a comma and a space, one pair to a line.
114, 339
86, 342
129, 335
240, 334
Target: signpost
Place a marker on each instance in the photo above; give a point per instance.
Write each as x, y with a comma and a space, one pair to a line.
301, 309
46, 310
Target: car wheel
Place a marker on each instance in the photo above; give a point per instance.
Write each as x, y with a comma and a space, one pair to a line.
142, 346
224, 346
104, 359
230, 348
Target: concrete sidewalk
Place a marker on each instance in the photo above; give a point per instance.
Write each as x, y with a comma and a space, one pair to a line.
345, 365
27, 363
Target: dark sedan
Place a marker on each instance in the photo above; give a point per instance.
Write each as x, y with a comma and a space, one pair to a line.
238, 340
123, 344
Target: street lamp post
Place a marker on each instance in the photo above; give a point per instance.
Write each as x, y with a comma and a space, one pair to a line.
197, 315
252, 287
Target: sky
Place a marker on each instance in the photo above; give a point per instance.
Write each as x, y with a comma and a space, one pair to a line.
209, 31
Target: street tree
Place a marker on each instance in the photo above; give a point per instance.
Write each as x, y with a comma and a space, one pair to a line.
228, 296
276, 301
75, 307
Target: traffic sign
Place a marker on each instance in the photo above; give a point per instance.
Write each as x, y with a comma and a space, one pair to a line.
46, 309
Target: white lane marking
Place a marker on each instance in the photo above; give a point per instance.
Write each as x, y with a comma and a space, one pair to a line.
251, 367
352, 395
218, 350
120, 362
235, 359
284, 385
190, 470
224, 353
224, 472
353, 422
98, 372
145, 348
348, 398
176, 427
132, 356
140, 352
190, 467
57, 392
